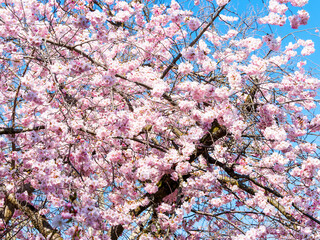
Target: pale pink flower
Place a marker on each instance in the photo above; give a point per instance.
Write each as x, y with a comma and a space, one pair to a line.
209, 66
299, 3
308, 48
273, 19
59, 222
275, 133
222, 92
304, 17
273, 43
234, 79
177, 16
194, 24
275, 7
189, 53
151, 188
231, 33
82, 22
159, 89
183, 168
222, 2
174, 5
185, 68
187, 105
294, 21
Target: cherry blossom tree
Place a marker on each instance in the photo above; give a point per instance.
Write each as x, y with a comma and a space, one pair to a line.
141, 120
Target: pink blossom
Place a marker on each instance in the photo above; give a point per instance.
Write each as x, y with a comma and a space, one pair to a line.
214, 38
294, 21
299, 3
66, 215
160, 134
194, 24
150, 188
275, 7
222, 2
185, 68
300, 19
304, 17
177, 16
82, 22
273, 19
275, 133
122, 16
273, 43
183, 168
234, 79
189, 53
308, 47
174, 5
250, 43
159, 89
209, 65
186, 106
315, 124
222, 92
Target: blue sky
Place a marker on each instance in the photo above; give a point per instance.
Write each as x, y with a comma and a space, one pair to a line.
314, 22
303, 32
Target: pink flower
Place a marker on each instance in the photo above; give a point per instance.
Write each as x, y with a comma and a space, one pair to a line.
209, 65
194, 24
177, 16
275, 133
151, 188
174, 5
82, 22
122, 16
234, 79
304, 17
315, 124
222, 92
59, 222
300, 19
159, 89
294, 21
308, 47
273, 43
186, 106
183, 168
273, 19
222, 2
275, 7
185, 68
299, 3
189, 53
66, 215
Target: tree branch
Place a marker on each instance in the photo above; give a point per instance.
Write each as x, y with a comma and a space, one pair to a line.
193, 42
19, 130
38, 221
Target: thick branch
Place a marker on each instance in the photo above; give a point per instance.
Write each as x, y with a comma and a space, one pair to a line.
167, 185
19, 130
38, 221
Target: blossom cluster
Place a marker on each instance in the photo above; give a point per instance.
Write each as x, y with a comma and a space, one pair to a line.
129, 117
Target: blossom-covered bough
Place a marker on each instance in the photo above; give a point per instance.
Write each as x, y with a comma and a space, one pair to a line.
138, 120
